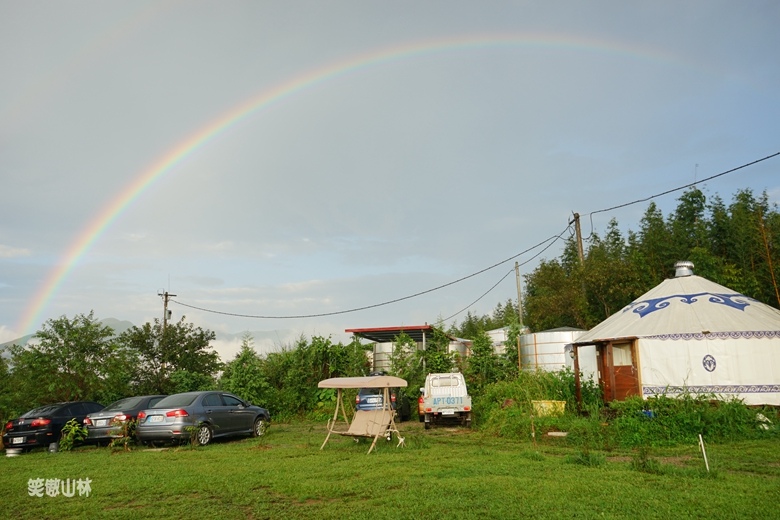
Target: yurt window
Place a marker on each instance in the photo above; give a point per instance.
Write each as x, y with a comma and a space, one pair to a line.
621, 354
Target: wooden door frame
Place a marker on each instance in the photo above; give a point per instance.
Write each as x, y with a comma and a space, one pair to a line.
606, 367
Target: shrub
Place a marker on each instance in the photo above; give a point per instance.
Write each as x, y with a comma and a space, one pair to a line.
72, 434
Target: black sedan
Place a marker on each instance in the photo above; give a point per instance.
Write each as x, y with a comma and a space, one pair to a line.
115, 419
200, 416
42, 426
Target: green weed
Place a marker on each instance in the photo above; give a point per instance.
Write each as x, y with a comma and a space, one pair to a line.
72, 434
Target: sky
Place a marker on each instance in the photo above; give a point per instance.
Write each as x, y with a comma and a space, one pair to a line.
277, 165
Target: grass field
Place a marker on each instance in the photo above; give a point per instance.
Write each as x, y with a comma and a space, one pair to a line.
440, 473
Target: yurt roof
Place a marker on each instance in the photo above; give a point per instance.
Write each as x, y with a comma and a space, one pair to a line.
686, 304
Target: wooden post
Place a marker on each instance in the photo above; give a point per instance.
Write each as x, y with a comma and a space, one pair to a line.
577, 382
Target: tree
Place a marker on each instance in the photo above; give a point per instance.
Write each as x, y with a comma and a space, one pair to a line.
737, 246
293, 373
436, 354
609, 278
553, 298
73, 359
8, 406
406, 362
244, 374
171, 359
482, 366
688, 224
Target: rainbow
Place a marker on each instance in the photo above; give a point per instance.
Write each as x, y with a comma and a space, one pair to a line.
168, 162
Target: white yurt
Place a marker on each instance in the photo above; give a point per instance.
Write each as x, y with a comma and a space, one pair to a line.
689, 334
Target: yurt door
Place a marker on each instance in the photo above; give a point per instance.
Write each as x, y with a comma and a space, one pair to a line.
619, 372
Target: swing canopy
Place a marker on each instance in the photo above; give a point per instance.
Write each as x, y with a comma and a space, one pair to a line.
363, 382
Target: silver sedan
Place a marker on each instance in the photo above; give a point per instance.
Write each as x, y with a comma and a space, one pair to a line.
200, 417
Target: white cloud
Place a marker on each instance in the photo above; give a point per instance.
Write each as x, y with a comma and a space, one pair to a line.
13, 252
380, 181
7, 334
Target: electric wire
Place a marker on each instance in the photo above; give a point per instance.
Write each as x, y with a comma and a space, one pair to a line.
483, 295
552, 240
667, 192
507, 274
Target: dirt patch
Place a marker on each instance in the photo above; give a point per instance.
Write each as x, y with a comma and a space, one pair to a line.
680, 461
676, 461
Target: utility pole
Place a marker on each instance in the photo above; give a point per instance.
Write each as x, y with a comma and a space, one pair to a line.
166, 313
519, 294
578, 232
519, 313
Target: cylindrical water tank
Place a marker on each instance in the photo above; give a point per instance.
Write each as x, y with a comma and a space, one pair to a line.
545, 350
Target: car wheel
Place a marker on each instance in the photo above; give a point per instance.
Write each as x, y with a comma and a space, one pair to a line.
259, 427
204, 434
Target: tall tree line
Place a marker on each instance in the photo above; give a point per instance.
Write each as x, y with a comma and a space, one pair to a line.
78, 358
75, 359
736, 245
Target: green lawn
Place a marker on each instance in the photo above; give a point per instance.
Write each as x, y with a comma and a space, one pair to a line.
441, 473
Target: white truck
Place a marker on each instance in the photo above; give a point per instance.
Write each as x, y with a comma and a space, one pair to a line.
445, 397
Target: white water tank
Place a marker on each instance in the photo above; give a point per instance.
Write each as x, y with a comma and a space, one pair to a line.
546, 350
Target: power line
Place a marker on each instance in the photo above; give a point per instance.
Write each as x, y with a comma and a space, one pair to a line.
483, 295
552, 240
507, 274
667, 192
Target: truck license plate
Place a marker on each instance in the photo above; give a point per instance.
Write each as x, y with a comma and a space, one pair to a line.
447, 411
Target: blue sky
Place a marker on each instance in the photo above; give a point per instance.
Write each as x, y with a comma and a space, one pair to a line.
488, 125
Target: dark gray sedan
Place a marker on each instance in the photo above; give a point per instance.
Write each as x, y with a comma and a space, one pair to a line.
113, 420
200, 416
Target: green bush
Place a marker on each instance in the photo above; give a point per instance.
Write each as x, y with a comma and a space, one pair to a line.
505, 409
507, 404
664, 420
72, 434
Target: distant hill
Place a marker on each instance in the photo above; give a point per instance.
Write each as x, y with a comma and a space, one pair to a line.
264, 341
119, 327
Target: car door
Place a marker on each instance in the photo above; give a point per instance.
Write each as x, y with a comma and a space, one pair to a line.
71, 411
218, 414
242, 418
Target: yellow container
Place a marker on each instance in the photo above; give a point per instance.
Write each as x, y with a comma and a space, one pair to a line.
548, 408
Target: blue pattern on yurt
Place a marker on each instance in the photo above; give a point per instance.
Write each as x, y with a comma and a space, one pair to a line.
734, 334
711, 389
643, 308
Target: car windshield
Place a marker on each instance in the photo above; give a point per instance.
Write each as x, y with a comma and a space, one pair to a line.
43, 410
370, 391
173, 401
124, 404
